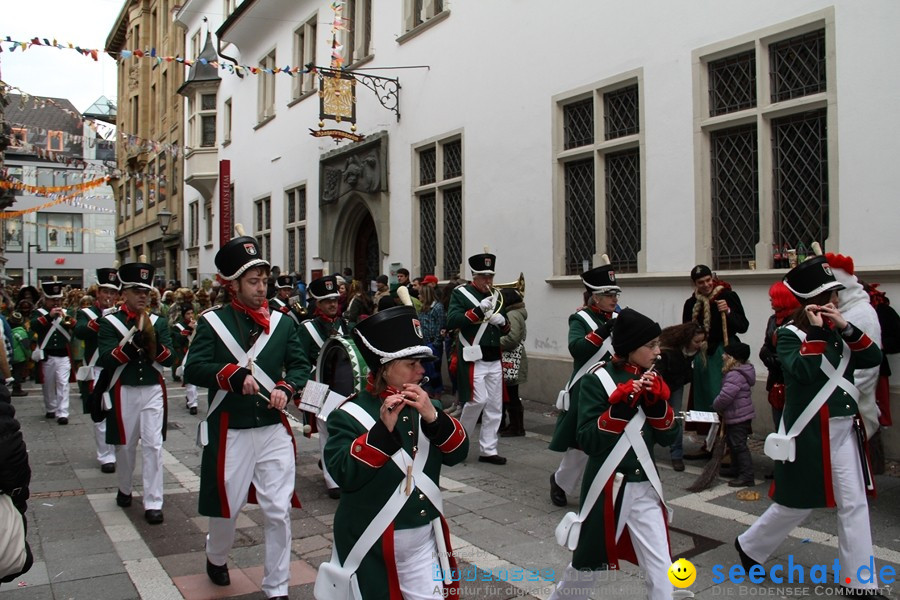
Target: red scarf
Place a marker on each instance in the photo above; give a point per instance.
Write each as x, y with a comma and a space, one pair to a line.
259, 315
318, 313
596, 309
129, 315
370, 387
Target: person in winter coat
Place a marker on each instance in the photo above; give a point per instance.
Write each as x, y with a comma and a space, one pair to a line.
21, 351
15, 476
679, 345
516, 314
783, 306
735, 405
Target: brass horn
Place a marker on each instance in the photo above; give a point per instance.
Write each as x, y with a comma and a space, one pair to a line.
518, 285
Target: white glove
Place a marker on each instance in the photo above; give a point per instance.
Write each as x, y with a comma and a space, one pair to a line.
487, 304
497, 319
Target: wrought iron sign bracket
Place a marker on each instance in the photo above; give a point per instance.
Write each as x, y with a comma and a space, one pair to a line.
386, 89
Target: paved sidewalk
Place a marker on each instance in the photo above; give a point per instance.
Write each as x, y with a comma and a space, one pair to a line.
501, 519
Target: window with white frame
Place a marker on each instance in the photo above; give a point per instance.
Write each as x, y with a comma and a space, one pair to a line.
600, 182
265, 94
766, 143
194, 224
439, 195
151, 183
208, 220
202, 120
262, 226
304, 53
418, 12
358, 30
226, 121
295, 230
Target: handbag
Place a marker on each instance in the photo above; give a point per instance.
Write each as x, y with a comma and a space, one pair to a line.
511, 359
777, 397
15, 555
335, 582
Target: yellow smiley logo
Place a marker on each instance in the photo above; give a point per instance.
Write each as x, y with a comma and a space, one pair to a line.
682, 573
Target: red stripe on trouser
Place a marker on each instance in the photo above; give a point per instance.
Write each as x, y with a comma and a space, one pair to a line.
825, 432
390, 563
220, 466
120, 420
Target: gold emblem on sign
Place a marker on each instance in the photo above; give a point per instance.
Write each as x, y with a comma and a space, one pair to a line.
338, 94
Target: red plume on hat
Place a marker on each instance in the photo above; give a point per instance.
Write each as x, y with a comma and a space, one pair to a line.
839, 261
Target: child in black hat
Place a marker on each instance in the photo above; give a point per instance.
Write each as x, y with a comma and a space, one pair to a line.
629, 505
735, 405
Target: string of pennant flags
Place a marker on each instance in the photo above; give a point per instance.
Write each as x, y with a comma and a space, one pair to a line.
46, 190
73, 229
14, 214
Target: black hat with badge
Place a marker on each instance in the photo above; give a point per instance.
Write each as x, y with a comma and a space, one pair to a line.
324, 288
239, 254
108, 277
632, 331
482, 264
284, 281
601, 279
391, 334
52, 289
137, 274
810, 278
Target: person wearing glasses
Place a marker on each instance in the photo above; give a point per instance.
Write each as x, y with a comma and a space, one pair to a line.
589, 342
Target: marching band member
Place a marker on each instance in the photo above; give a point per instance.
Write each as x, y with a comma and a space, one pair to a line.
184, 330
54, 329
474, 311
623, 410
589, 343
250, 360
134, 347
284, 288
87, 325
819, 347
386, 448
313, 333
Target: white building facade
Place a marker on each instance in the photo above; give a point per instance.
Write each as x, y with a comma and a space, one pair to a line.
662, 134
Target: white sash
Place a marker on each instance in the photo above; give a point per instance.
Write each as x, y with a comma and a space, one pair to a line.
472, 352
569, 529
314, 333
781, 445
55, 325
562, 400
86, 371
127, 334
242, 358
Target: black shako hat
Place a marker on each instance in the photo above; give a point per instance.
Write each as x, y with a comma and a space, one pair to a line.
601, 279
391, 334
108, 277
284, 281
136, 275
482, 264
324, 288
738, 350
700, 271
810, 278
632, 330
52, 289
238, 255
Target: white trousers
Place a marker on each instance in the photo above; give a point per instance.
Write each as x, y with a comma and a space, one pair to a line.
570, 470
487, 396
643, 514
106, 453
322, 429
142, 415
190, 395
56, 371
854, 532
263, 456
415, 553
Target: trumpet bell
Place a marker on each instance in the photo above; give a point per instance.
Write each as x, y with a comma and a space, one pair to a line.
518, 285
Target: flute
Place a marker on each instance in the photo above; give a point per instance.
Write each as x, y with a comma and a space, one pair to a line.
306, 428
650, 369
425, 379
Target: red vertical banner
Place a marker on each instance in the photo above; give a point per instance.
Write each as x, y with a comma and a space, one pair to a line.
224, 202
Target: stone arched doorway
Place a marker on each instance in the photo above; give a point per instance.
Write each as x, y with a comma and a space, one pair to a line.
366, 253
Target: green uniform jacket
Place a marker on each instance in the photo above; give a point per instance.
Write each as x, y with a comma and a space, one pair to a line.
597, 548
311, 347
465, 317
135, 373
211, 365
806, 482
181, 341
360, 462
582, 346
87, 329
41, 324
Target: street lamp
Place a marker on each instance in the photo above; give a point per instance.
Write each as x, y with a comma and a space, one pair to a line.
30, 246
164, 218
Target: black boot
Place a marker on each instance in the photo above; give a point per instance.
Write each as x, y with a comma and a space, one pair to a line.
516, 426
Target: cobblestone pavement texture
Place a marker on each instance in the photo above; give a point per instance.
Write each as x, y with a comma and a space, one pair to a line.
501, 519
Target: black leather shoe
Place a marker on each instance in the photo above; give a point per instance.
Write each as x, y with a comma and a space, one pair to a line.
108, 467
218, 574
50, 415
495, 459
746, 561
741, 483
63, 420
153, 516
677, 464
193, 410
557, 494
123, 500
334, 493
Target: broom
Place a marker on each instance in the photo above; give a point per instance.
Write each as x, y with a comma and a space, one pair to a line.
711, 470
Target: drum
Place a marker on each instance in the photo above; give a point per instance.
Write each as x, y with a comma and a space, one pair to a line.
341, 366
